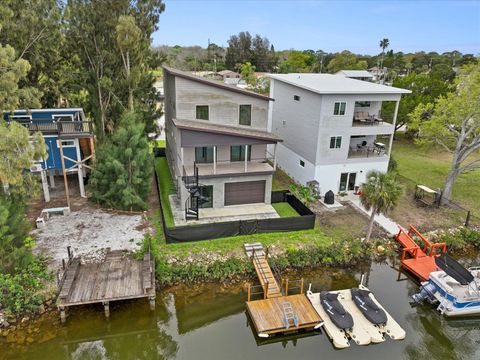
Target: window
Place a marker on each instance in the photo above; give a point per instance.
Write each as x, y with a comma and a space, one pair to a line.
206, 197
362, 104
237, 152
204, 154
335, 142
296, 97
245, 115
201, 112
339, 108
66, 143
62, 117
302, 163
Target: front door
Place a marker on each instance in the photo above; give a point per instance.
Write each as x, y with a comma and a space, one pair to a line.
347, 181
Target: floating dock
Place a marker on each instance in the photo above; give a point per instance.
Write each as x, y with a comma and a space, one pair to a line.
363, 331
117, 277
278, 312
417, 260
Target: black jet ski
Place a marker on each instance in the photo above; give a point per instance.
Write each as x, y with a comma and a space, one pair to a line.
369, 309
337, 313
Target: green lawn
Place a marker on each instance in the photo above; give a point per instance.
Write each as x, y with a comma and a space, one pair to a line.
167, 187
285, 210
430, 167
161, 143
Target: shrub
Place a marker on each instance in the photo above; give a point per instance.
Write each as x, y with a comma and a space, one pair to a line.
20, 292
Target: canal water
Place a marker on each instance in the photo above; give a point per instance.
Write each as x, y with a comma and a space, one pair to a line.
209, 322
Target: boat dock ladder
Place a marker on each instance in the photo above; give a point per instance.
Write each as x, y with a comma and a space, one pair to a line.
289, 317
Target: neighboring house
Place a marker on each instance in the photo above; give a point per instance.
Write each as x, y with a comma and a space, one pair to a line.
356, 74
331, 128
378, 74
216, 143
69, 137
229, 74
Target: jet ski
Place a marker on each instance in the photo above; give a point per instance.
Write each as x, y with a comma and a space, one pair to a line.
369, 309
337, 313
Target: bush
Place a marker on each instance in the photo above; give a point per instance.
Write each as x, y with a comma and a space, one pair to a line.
20, 292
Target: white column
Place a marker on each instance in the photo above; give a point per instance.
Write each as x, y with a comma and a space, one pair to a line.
275, 157
52, 180
46, 193
394, 122
246, 158
80, 170
214, 159
80, 181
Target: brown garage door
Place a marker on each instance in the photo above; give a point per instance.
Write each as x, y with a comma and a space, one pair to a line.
247, 192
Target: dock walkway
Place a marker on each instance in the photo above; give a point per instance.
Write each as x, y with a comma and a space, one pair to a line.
419, 261
117, 277
278, 312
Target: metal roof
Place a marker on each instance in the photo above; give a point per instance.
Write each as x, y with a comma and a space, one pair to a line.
206, 126
334, 84
215, 83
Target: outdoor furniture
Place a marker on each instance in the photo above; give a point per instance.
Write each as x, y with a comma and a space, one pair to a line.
377, 119
427, 196
379, 147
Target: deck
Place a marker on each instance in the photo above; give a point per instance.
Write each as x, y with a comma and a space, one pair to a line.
268, 318
118, 277
277, 312
419, 261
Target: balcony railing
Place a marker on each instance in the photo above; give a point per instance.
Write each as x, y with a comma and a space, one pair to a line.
62, 128
363, 118
229, 167
375, 150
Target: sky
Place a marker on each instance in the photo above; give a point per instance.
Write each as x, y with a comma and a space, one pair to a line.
331, 26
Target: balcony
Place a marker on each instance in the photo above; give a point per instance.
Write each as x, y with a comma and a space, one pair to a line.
364, 118
60, 128
229, 168
368, 147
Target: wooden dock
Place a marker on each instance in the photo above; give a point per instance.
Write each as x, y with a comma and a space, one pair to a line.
417, 260
278, 312
117, 277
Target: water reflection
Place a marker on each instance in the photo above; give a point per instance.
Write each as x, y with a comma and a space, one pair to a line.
209, 322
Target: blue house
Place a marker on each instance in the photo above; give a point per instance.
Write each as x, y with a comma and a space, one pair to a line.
69, 137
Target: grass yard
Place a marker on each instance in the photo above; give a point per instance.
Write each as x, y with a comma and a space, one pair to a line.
167, 187
281, 181
430, 167
285, 210
161, 143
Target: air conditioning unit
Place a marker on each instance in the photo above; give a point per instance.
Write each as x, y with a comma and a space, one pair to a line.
36, 168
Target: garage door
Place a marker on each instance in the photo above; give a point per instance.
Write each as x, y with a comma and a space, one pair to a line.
247, 192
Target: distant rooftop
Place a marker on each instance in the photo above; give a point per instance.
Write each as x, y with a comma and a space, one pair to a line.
355, 73
215, 83
334, 84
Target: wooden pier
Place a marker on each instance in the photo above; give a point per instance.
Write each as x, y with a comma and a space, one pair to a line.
417, 260
117, 277
278, 312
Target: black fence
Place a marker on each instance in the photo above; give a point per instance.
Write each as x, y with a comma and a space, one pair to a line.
217, 230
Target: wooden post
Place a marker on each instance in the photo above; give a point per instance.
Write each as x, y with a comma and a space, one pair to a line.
46, 192
69, 252
52, 180
63, 264
92, 148
301, 286
265, 291
286, 287
80, 169
64, 172
106, 307
152, 303
248, 292
63, 315
467, 220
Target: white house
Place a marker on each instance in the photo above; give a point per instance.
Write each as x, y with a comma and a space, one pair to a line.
332, 128
356, 74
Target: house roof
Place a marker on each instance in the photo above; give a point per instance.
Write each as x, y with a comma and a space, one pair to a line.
205, 126
214, 83
333, 84
355, 73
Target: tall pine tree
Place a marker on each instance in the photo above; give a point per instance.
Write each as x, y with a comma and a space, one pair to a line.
122, 170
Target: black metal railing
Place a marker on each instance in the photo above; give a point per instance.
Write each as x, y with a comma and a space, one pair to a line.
58, 127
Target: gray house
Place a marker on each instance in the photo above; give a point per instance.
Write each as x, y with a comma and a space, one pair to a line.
216, 143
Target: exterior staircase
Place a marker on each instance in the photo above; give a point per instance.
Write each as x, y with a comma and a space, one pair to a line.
195, 199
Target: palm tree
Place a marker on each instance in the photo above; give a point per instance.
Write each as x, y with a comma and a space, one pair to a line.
383, 44
380, 193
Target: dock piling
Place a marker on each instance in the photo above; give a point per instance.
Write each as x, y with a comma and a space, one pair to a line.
152, 303
63, 315
106, 307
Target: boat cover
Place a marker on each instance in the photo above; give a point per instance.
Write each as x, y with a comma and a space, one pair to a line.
336, 312
369, 309
453, 268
